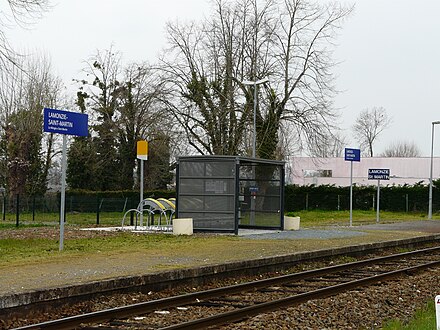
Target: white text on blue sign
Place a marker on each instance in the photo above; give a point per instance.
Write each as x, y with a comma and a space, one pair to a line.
379, 174
59, 123
65, 122
353, 155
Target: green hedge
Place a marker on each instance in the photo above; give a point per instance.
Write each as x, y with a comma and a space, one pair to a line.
330, 197
324, 197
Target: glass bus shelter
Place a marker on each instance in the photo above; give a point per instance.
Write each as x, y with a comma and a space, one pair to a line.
225, 193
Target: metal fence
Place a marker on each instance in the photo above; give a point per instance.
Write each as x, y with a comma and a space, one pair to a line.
392, 198
80, 210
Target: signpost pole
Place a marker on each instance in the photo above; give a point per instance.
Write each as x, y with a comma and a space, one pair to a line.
351, 193
378, 199
378, 174
3, 190
65, 123
63, 192
352, 155
141, 186
142, 154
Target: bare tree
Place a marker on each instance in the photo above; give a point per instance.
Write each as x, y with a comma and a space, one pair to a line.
287, 41
334, 147
303, 88
402, 149
27, 153
369, 125
201, 69
139, 118
123, 106
23, 12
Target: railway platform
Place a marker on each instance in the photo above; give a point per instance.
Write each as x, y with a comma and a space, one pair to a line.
27, 284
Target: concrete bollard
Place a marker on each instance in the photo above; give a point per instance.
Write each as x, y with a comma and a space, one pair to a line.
291, 223
183, 226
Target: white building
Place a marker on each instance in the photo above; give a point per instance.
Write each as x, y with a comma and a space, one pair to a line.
336, 171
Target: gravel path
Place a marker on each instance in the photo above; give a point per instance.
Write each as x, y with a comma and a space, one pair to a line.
368, 308
306, 234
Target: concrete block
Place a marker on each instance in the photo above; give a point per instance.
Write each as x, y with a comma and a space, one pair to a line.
183, 226
291, 223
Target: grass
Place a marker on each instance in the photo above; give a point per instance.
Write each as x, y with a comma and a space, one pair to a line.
12, 225
76, 218
162, 250
37, 249
313, 218
17, 249
424, 319
327, 218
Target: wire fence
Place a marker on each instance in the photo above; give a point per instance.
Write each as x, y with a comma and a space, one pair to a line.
92, 209
333, 202
79, 210
331, 198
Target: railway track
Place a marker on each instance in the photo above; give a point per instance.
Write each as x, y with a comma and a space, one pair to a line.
219, 306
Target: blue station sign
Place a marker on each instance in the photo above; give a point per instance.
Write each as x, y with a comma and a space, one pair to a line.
65, 122
353, 155
378, 174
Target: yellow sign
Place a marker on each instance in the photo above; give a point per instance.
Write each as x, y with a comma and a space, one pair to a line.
142, 150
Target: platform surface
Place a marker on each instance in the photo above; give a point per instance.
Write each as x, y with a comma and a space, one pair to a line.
27, 278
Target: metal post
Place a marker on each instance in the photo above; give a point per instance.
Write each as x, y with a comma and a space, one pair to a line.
253, 196
237, 196
430, 173
63, 192
407, 204
141, 186
254, 141
33, 208
282, 186
125, 205
176, 214
17, 211
351, 193
4, 207
97, 209
255, 83
377, 203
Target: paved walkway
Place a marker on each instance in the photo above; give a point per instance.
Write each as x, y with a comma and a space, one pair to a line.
425, 226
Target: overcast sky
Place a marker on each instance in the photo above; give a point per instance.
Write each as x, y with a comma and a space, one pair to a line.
389, 52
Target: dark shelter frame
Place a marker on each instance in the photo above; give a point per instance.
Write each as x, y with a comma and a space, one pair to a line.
225, 193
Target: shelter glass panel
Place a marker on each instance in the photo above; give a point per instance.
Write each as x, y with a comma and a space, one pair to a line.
211, 221
195, 169
207, 203
220, 169
193, 186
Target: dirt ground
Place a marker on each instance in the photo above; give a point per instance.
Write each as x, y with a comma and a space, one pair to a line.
52, 233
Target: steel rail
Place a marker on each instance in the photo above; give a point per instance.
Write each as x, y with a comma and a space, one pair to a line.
246, 312
150, 306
